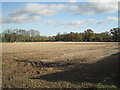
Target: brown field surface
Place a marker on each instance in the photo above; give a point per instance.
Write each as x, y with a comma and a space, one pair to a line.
60, 65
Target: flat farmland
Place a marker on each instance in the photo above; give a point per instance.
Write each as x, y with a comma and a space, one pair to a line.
60, 65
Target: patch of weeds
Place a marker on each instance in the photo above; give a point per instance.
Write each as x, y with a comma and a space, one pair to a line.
105, 86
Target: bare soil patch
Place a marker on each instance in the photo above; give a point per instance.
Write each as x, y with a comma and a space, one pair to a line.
60, 65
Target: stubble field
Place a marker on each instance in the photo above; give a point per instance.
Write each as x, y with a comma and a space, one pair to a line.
60, 65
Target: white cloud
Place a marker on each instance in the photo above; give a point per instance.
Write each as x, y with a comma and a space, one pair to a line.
103, 1
43, 9
36, 18
81, 23
78, 23
91, 8
109, 19
34, 11
20, 19
55, 23
104, 7
0, 19
73, 1
50, 22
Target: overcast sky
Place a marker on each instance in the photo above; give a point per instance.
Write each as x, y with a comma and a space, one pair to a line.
53, 17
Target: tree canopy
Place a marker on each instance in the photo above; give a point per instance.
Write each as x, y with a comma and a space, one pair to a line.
20, 35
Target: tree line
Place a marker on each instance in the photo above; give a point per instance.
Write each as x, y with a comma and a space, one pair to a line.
20, 35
